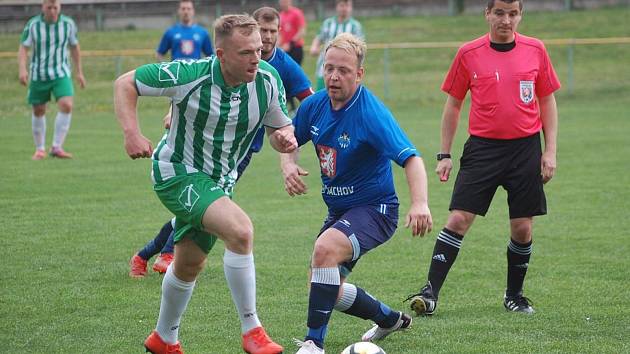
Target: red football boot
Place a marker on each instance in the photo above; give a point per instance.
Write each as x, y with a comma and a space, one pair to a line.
256, 341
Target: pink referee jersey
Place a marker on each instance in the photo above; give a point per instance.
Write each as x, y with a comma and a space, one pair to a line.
503, 86
290, 23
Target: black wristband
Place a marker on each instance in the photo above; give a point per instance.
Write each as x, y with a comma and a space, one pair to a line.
442, 156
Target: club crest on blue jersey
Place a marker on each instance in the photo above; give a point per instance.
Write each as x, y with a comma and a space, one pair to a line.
187, 46
327, 160
527, 91
344, 140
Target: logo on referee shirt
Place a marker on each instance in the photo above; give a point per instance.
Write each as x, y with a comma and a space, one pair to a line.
327, 160
527, 91
169, 72
188, 198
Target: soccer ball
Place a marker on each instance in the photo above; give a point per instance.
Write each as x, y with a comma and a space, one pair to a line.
363, 348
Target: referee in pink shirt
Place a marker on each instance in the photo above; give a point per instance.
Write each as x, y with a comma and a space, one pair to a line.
512, 83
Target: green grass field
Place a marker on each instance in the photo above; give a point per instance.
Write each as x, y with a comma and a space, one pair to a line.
68, 228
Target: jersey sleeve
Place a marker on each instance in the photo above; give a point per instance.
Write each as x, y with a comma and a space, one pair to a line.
297, 81
457, 81
323, 31
386, 136
358, 30
277, 115
206, 47
165, 44
547, 81
73, 35
27, 36
170, 78
301, 123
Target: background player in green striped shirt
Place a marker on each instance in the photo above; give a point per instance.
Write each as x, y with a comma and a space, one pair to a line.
331, 27
50, 34
218, 105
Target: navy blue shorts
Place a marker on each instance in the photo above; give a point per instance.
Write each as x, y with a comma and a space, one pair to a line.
367, 227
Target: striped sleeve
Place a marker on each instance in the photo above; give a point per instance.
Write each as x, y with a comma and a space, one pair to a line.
170, 78
277, 115
27, 36
73, 33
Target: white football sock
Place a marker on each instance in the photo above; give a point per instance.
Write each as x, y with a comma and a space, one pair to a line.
62, 125
240, 274
39, 131
175, 296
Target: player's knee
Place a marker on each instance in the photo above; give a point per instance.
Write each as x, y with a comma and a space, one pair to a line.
521, 231
323, 254
243, 235
39, 110
65, 106
460, 222
189, 269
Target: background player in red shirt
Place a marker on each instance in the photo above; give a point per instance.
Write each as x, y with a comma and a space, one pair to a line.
512, 82
292, 30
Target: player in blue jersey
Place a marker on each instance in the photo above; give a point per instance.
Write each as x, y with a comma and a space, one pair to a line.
355, 137
185, 40
296, 85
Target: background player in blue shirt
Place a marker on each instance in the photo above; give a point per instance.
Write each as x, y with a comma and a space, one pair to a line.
296, 85
355, 138
185, 39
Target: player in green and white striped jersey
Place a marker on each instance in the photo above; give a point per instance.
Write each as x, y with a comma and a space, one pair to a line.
341, 23
218, 105
50, 34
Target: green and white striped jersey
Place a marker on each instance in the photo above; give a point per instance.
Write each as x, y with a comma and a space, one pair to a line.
331, 27
212, 124
49, 43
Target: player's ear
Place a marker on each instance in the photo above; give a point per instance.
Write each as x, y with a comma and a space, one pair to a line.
220, 53
360, 74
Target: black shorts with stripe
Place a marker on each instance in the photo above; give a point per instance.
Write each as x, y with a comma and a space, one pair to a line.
489, 163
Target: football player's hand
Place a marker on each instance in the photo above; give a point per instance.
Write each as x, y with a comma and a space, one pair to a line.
443, 169
419, 219
285, 140
137, 146
82, 82
24, 78
293, 183
547, 166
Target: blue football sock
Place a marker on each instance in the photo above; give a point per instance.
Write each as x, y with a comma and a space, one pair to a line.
170, 243
357, 302
321, 301
154, 246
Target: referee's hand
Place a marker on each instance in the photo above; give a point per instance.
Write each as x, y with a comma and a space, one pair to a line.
547, 166
443, 169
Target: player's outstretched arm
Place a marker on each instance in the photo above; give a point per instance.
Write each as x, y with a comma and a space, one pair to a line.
419, 215
450, 119
549, 117
22, 64
125, 106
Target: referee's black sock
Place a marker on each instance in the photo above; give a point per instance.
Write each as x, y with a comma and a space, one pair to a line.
518, 261
444, 254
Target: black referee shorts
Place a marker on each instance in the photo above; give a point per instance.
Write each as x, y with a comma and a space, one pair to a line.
489, 163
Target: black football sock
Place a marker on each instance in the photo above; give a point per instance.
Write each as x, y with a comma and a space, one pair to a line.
518, 261
444, 254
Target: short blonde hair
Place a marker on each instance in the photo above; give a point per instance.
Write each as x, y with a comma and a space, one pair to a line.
224, 27
349, 43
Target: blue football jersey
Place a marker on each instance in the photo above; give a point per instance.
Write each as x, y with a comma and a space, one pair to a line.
185, 42
293, 79
354, 146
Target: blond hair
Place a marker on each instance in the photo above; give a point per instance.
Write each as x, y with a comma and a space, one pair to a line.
350, 44
225, 25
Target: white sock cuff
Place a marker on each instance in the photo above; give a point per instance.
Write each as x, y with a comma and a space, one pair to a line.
171, 279
347, 297
328, 276
235, 260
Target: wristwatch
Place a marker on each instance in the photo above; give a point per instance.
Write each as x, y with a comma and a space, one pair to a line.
442, 156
